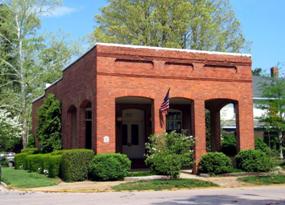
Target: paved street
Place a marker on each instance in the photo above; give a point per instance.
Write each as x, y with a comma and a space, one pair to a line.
272, 195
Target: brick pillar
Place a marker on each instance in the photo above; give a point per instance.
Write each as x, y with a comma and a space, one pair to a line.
159, 119
105, 124
244, 121
215, 129
199, 132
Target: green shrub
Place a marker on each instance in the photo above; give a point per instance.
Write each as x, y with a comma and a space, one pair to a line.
172, 143
165, 164
30, 150
49, 124
109, 167
253, 161
229, 145
20, 160
52, 165
215, 163
35, 163
262, 146
75, 163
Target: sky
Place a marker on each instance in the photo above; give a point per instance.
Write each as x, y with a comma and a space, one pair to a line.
262, 23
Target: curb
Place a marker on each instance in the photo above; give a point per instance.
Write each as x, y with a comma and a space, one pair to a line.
4, 185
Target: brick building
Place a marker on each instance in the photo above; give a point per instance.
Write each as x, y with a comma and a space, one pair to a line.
111, 97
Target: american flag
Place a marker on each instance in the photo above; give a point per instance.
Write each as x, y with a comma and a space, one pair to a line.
165, 104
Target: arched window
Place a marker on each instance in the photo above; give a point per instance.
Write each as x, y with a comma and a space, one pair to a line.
88, 126
174, 120
72, 113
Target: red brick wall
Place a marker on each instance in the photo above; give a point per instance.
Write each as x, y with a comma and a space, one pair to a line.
109, 72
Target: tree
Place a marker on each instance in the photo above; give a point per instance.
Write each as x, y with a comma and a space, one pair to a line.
10, 132
30, 61
257, 72
208, 24
49, 127
274, 105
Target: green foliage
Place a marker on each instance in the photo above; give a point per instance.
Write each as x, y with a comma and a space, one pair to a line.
264, 180
49, 124
9, 131
52, 165
229, 144
47, 164
262, 146
165, 164
168, 153
172, 143
253, 161
31, 142
106, 167
20, 160
160, 184
23, 179
30, 150
210, 25
75, 163
215, 163
28, 59
35, 163
274, 109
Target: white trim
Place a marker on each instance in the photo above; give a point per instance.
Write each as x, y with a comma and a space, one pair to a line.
55, 82
263, 98
37, 98
174, 49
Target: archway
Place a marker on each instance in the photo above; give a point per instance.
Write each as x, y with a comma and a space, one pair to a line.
72, 120
221, 125
134, 124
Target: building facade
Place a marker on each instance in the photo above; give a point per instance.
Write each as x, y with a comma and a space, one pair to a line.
111, 97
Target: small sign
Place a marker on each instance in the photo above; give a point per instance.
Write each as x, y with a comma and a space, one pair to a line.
106, 139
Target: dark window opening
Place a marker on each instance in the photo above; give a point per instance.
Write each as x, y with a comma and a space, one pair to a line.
88, 128
125, 134
135, 134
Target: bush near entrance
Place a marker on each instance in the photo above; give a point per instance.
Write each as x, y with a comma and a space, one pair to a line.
169, 152
215, 163
106, 167
75, 163
253, 161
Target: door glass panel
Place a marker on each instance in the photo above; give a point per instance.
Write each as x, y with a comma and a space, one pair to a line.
125, 134
135, 134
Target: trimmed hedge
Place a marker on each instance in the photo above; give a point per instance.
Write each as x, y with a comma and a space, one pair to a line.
75, 163
106, 167
215, 163
253, 161
35, 163
52, 165
30, 150
20, 160
48, 164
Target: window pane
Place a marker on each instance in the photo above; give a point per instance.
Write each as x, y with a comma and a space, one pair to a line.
135, 134
125, 134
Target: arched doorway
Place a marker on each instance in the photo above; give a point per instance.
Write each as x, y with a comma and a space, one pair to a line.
134, 124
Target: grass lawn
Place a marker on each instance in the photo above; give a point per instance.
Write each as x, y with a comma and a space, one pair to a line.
23, 179
264, 180
139, 173
160, 184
